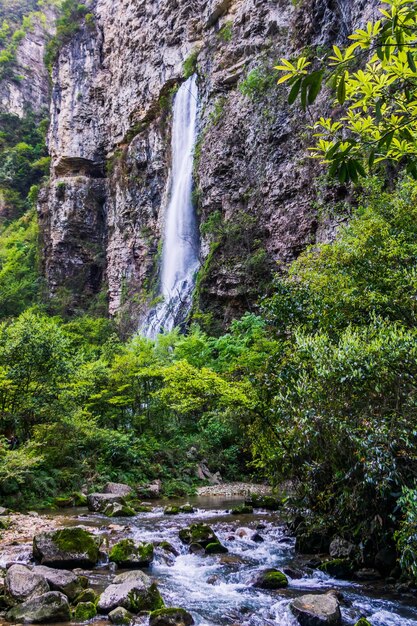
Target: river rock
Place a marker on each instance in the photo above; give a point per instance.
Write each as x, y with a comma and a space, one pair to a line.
271, 579
317, 610
97, 502
367, 574
85, 611
23, 584
117, 509
128, 554
216, 548
342, 548
150, 490
120, 489
60, 580
198, 534
50, 607
259, 501
134, 591
386, 560
120, 616
69, 547
4, 511
87, 595
338, 568
171, 617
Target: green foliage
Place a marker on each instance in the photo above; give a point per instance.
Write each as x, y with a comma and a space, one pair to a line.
226, 32
190, 64
406, 536
257, 83
375, 81
72, 15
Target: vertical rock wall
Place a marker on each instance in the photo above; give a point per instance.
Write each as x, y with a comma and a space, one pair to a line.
103, 212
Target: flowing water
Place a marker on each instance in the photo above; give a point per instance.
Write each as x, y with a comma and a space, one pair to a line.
218, 590
180, 254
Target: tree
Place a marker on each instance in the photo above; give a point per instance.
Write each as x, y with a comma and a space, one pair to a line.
375, 83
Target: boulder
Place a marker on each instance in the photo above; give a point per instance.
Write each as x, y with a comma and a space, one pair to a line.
85, 611
203, 473
87, 595
367, 574
363, 622
171, 510
263, 502
52, 606
60, 580
317, 610
69, 547
198, 534
120, 616
216, 548
386, 560
4, 511
117, 509
128, 554
150, 490
342, 548
312, 542
271, 579
338, 568
242, 509
97, 502
187, 508
23, 584
120, 489
171, 617
134, 591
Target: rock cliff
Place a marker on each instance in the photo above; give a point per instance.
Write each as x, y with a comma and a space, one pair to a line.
102, 213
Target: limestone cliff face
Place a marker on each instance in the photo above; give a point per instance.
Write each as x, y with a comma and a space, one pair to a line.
103, 211
28, 89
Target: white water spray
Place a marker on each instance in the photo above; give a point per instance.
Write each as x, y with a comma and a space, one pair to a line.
180, 254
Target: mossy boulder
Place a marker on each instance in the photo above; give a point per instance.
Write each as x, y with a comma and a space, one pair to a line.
138, 505
171, 617
68, 547
338, 568
242, 509
127, 553
97, 502
171, 510
52, 606
87, 595
134, 591
198, 534
187, 508
363, 622
85, 611
271, 579
120, 616
270, 503
216, 548
80, 499
116, 509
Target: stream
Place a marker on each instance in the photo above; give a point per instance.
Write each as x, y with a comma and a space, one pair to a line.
218, 590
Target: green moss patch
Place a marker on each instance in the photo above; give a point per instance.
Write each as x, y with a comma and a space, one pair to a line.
85, 611
126, 552
242, 509
87, 595
216, 548
198, 533
77, 541
271, 579
151, 601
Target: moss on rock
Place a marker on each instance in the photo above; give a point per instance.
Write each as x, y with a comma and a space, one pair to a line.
216, 548
198, 534
242, 509
171, 617
271, 579
87, 595
171, 510
126, 552
78, 541
85, 611
363, 622
339, 568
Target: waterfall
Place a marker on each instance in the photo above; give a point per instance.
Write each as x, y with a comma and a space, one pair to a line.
180, 253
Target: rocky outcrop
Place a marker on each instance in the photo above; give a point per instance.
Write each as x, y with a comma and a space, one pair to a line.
49, 607
69, 547
103, 212
317, 610
133, 591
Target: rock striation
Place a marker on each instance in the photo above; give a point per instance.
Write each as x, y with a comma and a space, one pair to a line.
103, 211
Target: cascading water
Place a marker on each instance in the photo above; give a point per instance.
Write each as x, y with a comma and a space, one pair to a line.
180, 255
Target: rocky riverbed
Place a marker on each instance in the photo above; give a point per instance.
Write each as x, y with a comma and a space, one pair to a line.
213, 561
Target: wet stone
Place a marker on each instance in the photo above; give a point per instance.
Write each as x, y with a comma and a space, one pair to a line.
317, 610
49, 607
